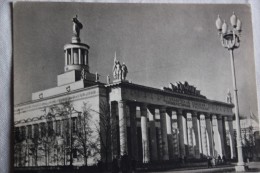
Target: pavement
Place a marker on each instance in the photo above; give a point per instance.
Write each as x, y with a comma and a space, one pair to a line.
253, 167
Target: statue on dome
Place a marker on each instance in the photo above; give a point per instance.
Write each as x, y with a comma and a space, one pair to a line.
77, 26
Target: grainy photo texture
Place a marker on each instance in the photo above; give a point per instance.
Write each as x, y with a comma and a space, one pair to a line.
134, 88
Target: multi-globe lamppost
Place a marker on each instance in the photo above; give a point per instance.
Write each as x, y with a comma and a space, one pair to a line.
230, 40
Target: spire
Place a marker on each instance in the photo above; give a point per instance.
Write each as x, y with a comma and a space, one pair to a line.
115, 57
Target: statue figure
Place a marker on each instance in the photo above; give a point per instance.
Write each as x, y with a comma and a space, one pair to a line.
124, 71
117, 71
229, 97
83, 74
77, 26
108, 79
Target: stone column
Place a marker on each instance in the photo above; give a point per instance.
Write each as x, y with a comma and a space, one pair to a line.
216, 137
122, 127
66, 57
71, 56
231, 137
169, 134
182, 132
209, 134
54, 126
133, 128
190, 134
199, 134
164, 133
86, 58
222, 134
203, 135
144, 129
80, 60
196, 134
153, 138
33, 131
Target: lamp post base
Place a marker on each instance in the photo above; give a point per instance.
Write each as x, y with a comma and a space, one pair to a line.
241, 167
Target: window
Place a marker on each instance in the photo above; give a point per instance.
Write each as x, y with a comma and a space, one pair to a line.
23, 134
29, 128
43, 129
74, 124
36, 131
58, 127
50, 128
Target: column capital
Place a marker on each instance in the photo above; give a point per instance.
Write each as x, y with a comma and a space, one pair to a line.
202, 116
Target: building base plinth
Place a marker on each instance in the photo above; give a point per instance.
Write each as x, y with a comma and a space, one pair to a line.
241, 168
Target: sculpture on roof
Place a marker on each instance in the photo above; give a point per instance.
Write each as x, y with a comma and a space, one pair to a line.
77, 26
124, 71
119, 71
229, 97
184, 88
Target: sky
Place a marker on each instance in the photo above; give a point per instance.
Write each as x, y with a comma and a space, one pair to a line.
160, 43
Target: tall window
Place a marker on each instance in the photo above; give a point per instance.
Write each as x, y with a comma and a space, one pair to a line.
74, 124
43, 129
23, 132
50, 128
36, 131
29, 128
58, 127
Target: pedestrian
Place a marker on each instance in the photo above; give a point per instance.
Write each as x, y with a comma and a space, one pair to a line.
219, 159
224, 159
209, 162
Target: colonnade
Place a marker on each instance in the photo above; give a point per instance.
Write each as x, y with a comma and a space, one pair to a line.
77, 56
166, 133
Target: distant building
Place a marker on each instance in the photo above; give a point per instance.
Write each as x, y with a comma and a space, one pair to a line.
83, 120
250, 138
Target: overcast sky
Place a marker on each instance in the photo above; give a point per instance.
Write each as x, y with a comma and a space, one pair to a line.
160, 43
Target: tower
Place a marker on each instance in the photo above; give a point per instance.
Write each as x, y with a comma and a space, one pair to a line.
76, 53
76, 59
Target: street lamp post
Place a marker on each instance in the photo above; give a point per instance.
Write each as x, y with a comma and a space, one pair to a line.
230, 40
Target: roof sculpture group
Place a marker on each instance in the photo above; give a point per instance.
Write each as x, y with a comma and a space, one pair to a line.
119, 71
184, 88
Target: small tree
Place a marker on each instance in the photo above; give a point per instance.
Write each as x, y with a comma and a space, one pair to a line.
103, 127
47, 138
84, 143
